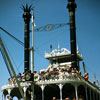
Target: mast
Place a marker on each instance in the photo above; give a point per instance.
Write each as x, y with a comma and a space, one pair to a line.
26, 17
32, 51
32, 56
71, 7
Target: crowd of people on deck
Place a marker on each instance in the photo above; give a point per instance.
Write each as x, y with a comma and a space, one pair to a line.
57, 73
50, 73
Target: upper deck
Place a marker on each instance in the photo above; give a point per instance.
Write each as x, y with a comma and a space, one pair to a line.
61, 55
72, 82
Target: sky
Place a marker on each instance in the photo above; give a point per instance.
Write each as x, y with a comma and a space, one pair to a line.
51, 12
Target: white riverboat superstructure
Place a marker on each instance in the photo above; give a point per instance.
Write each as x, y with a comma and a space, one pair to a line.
57, 81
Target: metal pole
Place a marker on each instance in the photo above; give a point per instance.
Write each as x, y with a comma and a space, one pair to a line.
84, 68
76, 92
32, 53
32, 56
1, 95
60, 87
42, 87
86, 93
90, 94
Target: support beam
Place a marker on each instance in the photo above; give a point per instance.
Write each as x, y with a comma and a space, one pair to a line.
2, 95
42, 87
94, 96
32, 95
60, 87
86, 93
90, 94
76, 93
25, 89
9, 92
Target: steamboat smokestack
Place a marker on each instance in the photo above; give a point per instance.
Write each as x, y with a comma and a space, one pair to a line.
26, 17
71, 7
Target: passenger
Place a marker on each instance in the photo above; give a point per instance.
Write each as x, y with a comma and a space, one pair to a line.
36, 75
73, 73
42, 73
86, 76
67, 71
68, 68
61, 73
48, 68
54, 98
19, 77
94, 82
79, 72
47, 74
75, 70
23, 76
8, 98
72, 70
53, 74
10, 81
67, 74
67, 99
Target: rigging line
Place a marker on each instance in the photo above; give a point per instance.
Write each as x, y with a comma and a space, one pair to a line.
6, 62
10, 55
20, 42
20, 89
19, 66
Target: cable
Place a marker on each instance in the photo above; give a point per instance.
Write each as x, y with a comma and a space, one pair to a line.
10, 55
20, 42
19, 66
6, 62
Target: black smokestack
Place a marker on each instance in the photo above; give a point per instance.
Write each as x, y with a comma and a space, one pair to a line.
71, 7
26, 17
